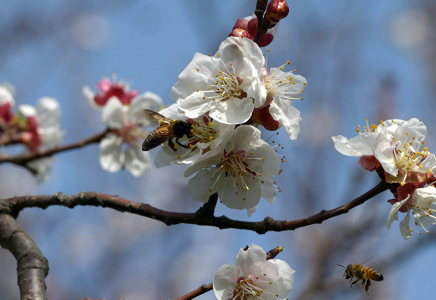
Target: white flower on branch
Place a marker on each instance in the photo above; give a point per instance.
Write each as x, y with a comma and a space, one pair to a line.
280, 89
226, 85
239, 170
121, 148
419, 204
41, 131
395, 145
7, 92
253, 277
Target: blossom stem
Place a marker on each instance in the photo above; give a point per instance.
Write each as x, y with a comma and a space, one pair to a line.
22, 159
260, 10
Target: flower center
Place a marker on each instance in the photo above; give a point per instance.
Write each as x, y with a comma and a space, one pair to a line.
248, 288
226, 86
129, 134
202, 131
408, 159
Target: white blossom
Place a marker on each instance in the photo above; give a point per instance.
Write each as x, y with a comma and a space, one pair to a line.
282, 88
253, 277
239, 169
396, 146
43, 132
226, 85
419, 208
121, 148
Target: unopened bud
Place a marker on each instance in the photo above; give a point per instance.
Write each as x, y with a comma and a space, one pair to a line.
276, 10
239, 32
263, 117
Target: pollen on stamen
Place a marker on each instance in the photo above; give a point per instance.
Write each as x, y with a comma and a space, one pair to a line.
179, 156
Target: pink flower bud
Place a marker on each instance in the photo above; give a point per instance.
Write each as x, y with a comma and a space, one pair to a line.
5, 112
110, 89
263, 117
276, 10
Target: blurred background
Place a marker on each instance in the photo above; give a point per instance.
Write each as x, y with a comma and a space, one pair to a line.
374, 59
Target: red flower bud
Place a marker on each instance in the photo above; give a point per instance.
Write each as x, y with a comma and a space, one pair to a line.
276, 10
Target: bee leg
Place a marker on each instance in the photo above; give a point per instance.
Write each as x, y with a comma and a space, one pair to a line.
181, 145
366, 286
354, 282
171, 144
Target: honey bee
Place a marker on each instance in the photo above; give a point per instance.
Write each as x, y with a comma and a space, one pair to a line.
167, 130
362, 273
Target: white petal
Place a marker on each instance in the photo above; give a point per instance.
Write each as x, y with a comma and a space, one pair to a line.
208, 160
359, 145
253, 257
194, 105
251, 195
89, 95
191, 80
50, 137
406, 230
200, 186
264, 161
231, 47
224, 281
114, 114
268, 191
147, 100
48, 112
384, 152
287, 115
27, 110
286, 274
6, 94
42, 168
136, 160
110, 153
393, 213
232, 111
414, 129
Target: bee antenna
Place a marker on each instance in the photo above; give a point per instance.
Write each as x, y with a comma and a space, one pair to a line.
341, 266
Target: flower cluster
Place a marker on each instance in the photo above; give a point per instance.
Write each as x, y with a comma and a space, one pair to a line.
121, 113
253, 276
225, 97
395, 148
38, 128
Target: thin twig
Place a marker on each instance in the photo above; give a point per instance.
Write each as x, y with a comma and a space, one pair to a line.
22, 159
260, 10
32, 266
14, 205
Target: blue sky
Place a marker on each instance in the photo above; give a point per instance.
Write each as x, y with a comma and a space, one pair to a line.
345, 50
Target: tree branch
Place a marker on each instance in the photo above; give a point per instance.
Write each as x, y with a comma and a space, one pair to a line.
32, 266
22, 159
260, 10
14, 205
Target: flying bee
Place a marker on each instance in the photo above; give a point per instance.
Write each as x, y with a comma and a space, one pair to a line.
167, 130
362, 273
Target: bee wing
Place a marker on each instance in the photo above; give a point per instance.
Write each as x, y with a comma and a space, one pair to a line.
154, 118
159, 136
